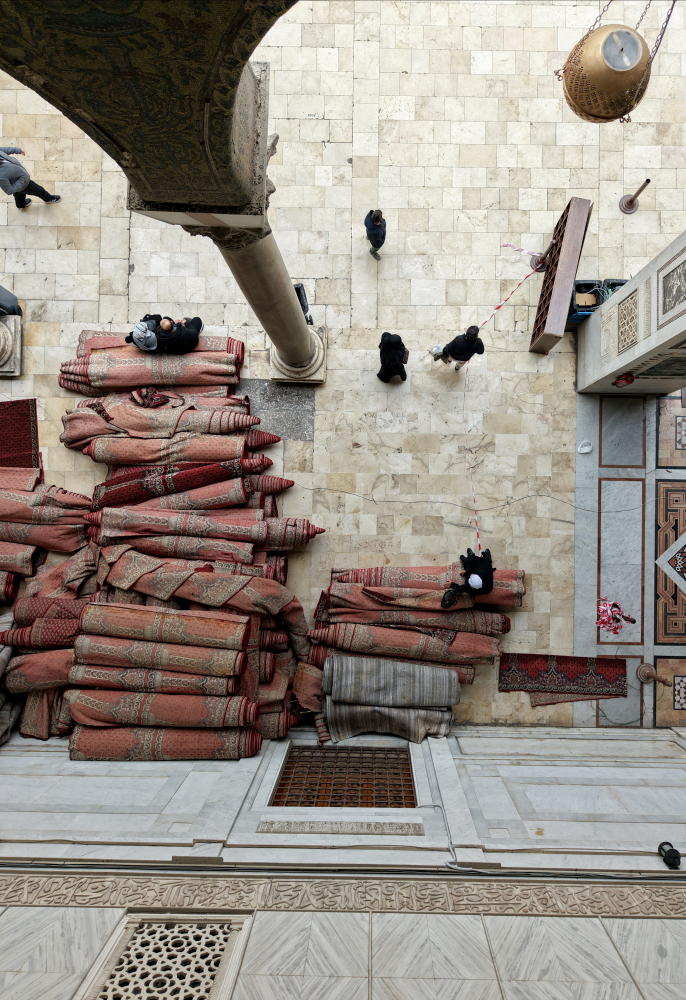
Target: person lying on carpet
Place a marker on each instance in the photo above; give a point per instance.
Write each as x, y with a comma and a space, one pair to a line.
162, 335
478, 573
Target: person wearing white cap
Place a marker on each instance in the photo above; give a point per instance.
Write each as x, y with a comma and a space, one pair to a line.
478, 572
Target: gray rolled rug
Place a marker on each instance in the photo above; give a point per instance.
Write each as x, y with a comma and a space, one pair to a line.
366, 680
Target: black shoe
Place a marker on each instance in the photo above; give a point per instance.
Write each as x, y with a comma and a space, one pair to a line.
448, 599
375, 255
55, 198
25, 205
471, 554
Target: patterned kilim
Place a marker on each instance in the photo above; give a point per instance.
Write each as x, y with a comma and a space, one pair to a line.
413, 724
588, 675
508, 584
143, 743
117, 369
671, 600
19, 439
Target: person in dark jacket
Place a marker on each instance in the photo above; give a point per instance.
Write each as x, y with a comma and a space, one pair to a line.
162, 335
15, 180
375, 224
392, 351
461, 349
478, 573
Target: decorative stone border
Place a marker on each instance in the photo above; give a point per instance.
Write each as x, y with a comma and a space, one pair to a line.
577, 899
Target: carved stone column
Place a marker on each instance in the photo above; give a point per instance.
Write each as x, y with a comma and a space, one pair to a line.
299, 352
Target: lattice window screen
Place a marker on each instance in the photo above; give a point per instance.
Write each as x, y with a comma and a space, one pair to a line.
628, 322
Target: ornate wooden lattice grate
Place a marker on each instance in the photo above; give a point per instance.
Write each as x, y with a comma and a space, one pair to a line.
355, 777
560, 271
168, 961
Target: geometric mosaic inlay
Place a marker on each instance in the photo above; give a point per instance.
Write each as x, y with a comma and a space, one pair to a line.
671, 596
679, 692
680, 436
628, 321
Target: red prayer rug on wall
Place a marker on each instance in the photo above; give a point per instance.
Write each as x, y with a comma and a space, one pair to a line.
599, 676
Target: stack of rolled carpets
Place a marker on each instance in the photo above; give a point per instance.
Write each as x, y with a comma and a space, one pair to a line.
508, 588
10, 707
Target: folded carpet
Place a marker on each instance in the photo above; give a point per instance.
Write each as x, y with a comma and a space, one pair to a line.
274, 725
356, 595
164, 656
38, 671
27, 609
185, 447
95, 707
17, 478
317, 656
551, 674
83, 675
508, 586
97, 340
19, 442
55, 538
229, 493
413, 724
137, 484
389, 683
344, 603
273, 639
119, 369
188, 628
40, 714
374, 640
20, 559
267, 666
116, 523
85, 423
307, 686
143, 743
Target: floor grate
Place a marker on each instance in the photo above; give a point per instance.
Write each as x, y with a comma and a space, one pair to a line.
362, 778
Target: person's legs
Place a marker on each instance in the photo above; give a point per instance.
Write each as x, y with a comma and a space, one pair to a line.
40, 192
197, 323
20, 199
459, 364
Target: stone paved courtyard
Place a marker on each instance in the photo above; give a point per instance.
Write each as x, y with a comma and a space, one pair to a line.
448, 117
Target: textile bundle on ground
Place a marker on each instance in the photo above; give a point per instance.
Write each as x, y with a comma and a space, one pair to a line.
109, 708
436, 644
508, 587
144, 743
558, 677
121, 368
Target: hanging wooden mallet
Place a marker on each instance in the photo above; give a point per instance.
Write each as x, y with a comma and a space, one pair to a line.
628, 203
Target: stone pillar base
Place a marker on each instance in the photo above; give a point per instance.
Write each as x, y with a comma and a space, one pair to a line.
314, 372
11, 346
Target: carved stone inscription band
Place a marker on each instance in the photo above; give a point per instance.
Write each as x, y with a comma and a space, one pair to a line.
576, 899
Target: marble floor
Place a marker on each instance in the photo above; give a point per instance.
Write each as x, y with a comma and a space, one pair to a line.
519, 798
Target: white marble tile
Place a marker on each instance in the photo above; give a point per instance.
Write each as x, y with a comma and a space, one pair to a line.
38, 985
277, 945
335, 988
584, 950
467, 989
339, 945
268, 988
459, 949
400, 946
651, 951
536, 991
663, 991
53, 939
403, 989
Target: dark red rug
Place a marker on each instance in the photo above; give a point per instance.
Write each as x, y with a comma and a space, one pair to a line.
19, 439
588, 675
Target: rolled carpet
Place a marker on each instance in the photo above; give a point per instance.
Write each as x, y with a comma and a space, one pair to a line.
137, 654
413, 724
143, 743
185, 447
16, 478
98, 707
87, 422
273, 639
97, 340
159, 681
190, 547
267, 666
389, 683
9, 588
508, 584
317, 657
189, 628
45, 505
119, 369
38, 671
116, 523
274, 725
55, 537
356, 595
28, 609
229, 493
20, 559
372, 640
44, 633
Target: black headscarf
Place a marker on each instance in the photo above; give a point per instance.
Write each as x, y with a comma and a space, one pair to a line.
391, 350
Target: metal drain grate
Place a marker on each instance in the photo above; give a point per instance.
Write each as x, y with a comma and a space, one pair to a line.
374, 778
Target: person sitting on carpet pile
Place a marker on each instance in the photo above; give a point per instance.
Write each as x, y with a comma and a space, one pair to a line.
478, 573
162, 335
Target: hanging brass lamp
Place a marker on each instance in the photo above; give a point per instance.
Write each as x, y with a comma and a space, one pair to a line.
607, 72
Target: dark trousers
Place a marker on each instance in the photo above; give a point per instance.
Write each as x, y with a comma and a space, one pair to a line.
196, 322
31, 188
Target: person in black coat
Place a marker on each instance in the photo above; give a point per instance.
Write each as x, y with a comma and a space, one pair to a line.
158, 334
375, 224
392, 351
478, 573
460, 349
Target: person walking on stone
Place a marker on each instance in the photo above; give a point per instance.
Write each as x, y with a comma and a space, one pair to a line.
375, 224
460, 349
15, 179
393, 354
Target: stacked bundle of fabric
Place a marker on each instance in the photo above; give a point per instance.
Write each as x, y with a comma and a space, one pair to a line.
508, 584
141, 683
10, 707
106, 363
383, 622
